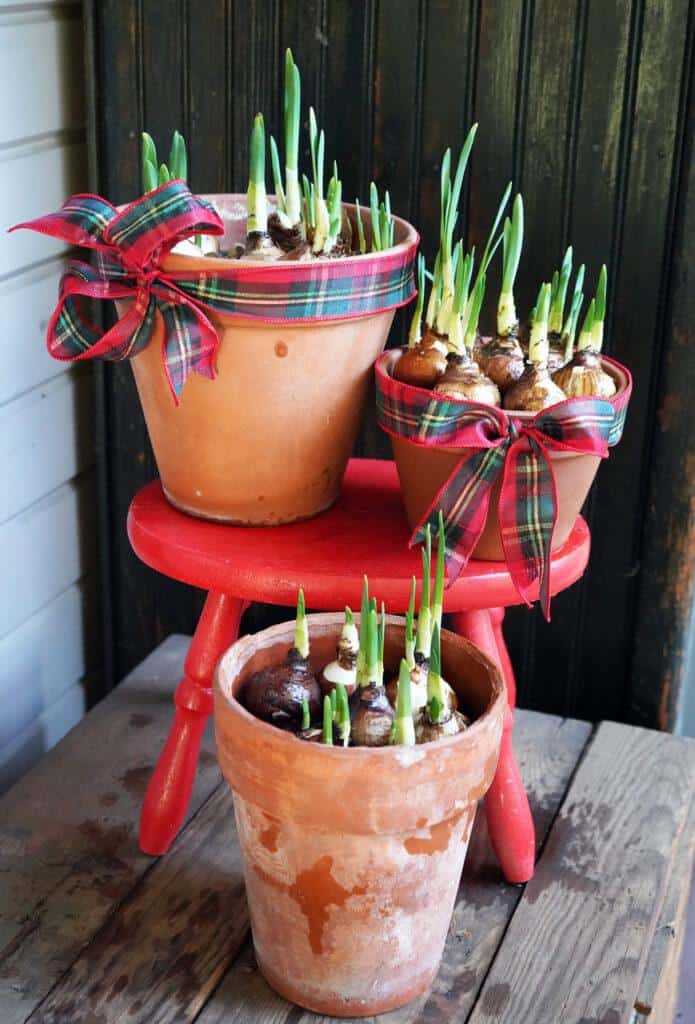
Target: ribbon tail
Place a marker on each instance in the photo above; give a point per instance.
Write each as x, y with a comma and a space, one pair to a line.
190, 341
528, 516
464, 500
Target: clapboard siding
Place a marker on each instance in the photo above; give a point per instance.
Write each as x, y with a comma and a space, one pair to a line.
29, 299
44, 54
43, 657
49, 624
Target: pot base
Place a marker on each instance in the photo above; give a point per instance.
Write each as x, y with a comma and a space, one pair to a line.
341, 1007
278, 520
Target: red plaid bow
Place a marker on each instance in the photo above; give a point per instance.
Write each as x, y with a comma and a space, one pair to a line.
527, 508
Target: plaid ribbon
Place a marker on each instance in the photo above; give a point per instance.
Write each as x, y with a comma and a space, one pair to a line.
501, 444
131, 246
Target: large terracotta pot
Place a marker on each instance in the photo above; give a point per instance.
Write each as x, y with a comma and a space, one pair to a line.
352, 858
423, 471
268, 440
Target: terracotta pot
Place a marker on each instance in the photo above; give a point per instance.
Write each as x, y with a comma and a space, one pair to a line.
352, 858
423, 471
268, 441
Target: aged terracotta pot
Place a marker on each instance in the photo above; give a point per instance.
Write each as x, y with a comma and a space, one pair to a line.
422, 471
268, 440
352, 858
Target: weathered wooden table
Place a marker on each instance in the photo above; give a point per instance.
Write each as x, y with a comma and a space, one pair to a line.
92, 931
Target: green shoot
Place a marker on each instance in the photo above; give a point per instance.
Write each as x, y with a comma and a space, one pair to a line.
415, 332
277, 181
335, 209
372, 663
360, 227
164, 175
403, 726
349, 619
435, 708
450, 195
306, 718
586, 335
424, 619
293, 89
569, 328
334, 701
409, 630
538, 342
150, 176
476, 302
257, 207
436, 699
438, 596
178, 160
301, 629
317, 144
327, 731
364, 631
435, 293
493, 241
382, 641
600, 309
513, 238
557, 301
342, 714
374, 211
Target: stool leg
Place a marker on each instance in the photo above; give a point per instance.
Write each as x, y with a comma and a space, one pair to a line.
509, 820
169, 789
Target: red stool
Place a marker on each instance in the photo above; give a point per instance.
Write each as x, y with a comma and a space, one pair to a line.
365, 532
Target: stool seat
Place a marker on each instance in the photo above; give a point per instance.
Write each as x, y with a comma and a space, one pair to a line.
364, 532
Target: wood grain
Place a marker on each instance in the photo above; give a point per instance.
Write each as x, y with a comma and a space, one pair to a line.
548, 750
577, 944
68, 831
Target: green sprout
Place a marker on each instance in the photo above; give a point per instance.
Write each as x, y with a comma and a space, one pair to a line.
334, 701
586, 335
450, 194
403, 732
538, 342
569, 328
558, 294
436, 697
306, 718
438, 596
424, 619
415, 332
372, 660
456, 329
360, 227
409, 631
364, 630
476, 302
321, 222
301, 629
327, 730
342, 716
600, 309
512, 241
293, 91
256, 200
155, 174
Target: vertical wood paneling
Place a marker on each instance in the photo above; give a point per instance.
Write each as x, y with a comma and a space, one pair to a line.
577, 103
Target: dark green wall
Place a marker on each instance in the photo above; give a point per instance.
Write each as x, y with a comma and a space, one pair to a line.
584, 104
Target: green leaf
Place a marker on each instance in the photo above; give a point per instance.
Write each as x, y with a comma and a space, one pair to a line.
360, 227
178, 160
150, 177
148, 149
277, 176
374, 210
164, 175
327, 731
601, 289
436, 651
306, 719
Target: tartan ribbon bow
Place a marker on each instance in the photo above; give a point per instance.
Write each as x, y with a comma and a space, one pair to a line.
499, 447
130, 247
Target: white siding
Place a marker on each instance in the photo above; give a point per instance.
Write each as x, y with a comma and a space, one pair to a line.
49, 625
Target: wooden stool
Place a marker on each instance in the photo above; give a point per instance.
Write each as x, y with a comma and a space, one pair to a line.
364, 532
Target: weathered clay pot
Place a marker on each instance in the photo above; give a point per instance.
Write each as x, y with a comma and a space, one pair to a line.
352, 858
423, 471
268, 440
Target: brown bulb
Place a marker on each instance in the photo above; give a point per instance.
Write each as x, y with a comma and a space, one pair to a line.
501, 359
426, 731
464, 379
420, 366
371, 716
276, 693
584, 376
556, 352
260, 247
533, 391
287, 239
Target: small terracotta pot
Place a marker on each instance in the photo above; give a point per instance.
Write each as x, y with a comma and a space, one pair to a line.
268, 440
423, 471
352, 858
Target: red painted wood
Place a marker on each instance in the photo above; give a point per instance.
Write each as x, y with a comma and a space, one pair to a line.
169, 790
509, 819
364, 532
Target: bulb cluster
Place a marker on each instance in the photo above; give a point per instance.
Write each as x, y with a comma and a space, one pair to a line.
353, 700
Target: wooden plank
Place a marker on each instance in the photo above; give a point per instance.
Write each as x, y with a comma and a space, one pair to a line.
48, 652
45, 439
34, 182
166, 947
637, 285
47, 547
46, 57
29, 746
64, 873
548, 750
599, 886
27, 302
662, 664
658, 987
208, 101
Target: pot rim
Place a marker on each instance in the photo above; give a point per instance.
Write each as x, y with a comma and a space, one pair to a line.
177, 261
616, 370
397, 752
